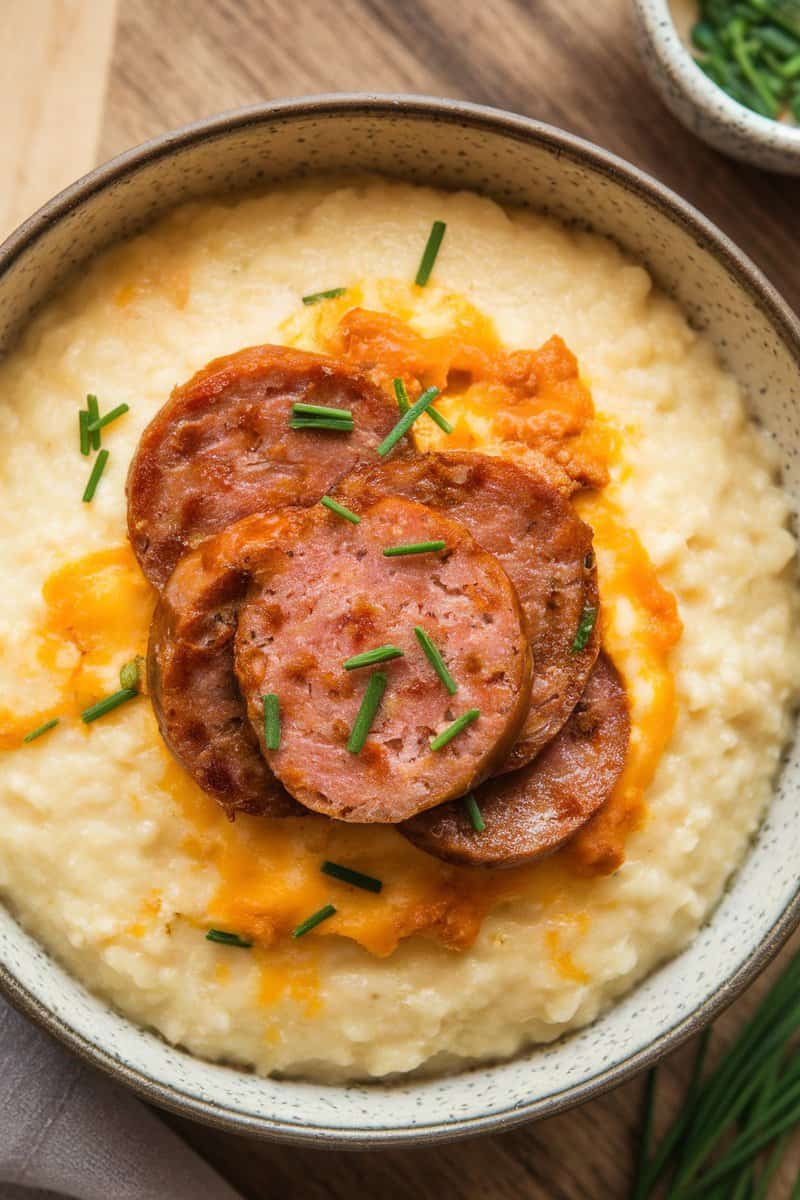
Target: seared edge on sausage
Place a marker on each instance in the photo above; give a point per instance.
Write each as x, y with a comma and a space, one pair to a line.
200, 711
545, 548
336, 595
530, 813
221, 448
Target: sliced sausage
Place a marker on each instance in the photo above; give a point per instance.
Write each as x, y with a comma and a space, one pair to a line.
544, 547
335, 596
532, 812
200, 711
221, 447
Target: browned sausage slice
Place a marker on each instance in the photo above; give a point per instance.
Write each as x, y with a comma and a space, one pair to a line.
196, 697
532, 812
221, 448
544, 547
335, 596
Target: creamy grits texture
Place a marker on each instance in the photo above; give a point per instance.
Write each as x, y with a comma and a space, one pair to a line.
99, 860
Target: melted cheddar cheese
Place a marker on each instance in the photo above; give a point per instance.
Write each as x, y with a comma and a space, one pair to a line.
266, 875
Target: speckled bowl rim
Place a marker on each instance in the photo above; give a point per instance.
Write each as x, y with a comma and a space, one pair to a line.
668, 46
787, 326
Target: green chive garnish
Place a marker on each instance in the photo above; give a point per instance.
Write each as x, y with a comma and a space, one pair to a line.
94, 478
227, 939
584, 630
99, 423
40, 729
92, 415
403, 403
401, 395
413, 548
474, 813
366, 713
83, 431
407, 420
321, 423
322, 410
108, 704
370, 657
315, 919
340, 510
331, 294
429, 253
348, 875
455, 729
437, 662
130, 675
272, 722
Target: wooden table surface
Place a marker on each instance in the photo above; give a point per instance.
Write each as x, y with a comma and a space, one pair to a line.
81, 80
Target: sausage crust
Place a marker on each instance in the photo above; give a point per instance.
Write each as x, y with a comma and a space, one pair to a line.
546, 550
336, 595
532, 812
198, 706
221, 448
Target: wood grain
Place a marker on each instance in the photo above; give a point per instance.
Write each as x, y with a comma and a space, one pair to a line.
54, 57
573, 65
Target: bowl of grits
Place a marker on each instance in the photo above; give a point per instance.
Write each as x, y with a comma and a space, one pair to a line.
398, 620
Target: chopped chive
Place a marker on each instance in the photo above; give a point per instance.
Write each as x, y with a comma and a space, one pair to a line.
130, 675
272, 722
321, 423
429, 253
455, 729
584, 630
330, 294
92, 415
348, 875
322, 410
340, 510
108, 704
366, 713
401, 395
474, 813
101, 422
403, 403
437, 662
94, 478
224, 939
40, 729
315, 919
370, 657
83, 431
407, 420
227, 939
413, 548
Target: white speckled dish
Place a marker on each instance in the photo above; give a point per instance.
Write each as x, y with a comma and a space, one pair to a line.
518, 161
702, 106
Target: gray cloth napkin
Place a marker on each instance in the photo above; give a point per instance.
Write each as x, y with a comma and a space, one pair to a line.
66, 1129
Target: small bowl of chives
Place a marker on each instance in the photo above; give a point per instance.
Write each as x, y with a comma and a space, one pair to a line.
729, 70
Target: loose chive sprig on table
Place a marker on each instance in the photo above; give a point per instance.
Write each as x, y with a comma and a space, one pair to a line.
404, 404
751, 49
733, 1115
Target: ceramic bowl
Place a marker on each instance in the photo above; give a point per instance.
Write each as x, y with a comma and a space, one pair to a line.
703, 107
517, 161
